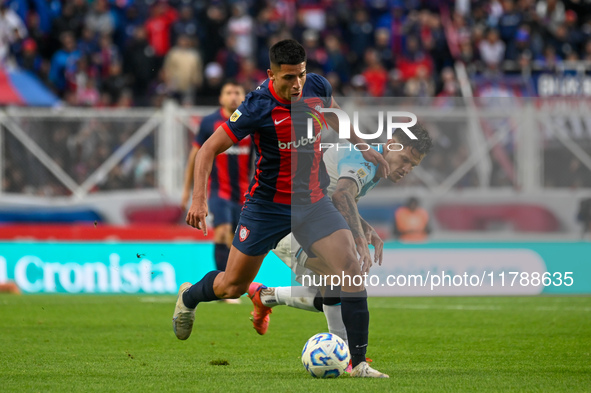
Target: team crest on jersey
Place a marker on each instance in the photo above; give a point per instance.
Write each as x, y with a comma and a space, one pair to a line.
244, 232
235, 115
361, 173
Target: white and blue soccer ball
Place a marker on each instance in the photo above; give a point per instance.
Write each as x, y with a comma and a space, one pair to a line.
325, 355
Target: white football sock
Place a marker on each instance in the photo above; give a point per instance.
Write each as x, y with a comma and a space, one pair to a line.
297, 297
334, 319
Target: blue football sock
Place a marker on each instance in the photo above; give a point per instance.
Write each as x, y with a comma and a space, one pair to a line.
202, 291
221, 252
356, 320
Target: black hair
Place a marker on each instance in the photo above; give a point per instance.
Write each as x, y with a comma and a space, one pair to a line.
287, 52
232, 82
422, 144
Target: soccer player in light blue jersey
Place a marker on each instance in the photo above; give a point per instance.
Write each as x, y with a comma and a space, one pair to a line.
351, 178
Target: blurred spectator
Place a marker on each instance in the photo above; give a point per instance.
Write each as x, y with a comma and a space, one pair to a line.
395, 21
12, 29
140, 167
395, 86
185, 25
336, 60
375, 74
550, 13
138, 62
38, 35
106, 55
214, 78
420, 86
382, 45
359, 38
509, 21
316, 55
449, 90
214, 24
115, 83
70, 20
162, 16
229, 58
414, 59
549, 59
241, 26
64, 61
88, 44
492, 50
183, 70
411, 222
29, 59
250, 76
100, 20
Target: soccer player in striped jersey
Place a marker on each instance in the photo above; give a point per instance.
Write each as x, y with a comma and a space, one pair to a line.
230, 174
287, 194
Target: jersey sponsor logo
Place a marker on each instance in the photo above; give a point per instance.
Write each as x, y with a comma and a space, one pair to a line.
277, 122
243, 234
235, 115
296, 144
361, 173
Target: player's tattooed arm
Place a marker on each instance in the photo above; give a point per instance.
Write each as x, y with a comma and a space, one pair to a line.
344, 200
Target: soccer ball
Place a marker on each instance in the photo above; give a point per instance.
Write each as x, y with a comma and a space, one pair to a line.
325, 355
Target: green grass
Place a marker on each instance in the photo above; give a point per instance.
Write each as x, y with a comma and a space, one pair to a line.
125, 343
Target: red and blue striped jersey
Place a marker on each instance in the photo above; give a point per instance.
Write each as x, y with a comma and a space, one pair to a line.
289, 167
232, 169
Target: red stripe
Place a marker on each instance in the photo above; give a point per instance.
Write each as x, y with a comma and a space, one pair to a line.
223, 172
244, 168
257, 141
229, 132
317, 193
285, 135
196, 144
8, 94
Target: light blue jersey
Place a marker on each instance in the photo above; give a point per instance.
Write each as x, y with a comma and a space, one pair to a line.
350, 164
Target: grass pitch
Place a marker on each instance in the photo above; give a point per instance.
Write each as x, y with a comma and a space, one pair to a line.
125, 343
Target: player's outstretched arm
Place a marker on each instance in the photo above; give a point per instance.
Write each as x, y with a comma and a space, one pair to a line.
189, 171
344, 200
370, 155
374, 239
216, 144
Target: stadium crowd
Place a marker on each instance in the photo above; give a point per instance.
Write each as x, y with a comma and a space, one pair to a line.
104, 53
124, 53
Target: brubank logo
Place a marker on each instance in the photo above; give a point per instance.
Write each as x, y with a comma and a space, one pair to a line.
345, 126
296, 144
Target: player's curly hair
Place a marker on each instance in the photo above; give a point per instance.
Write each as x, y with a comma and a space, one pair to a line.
287, 52
422, 144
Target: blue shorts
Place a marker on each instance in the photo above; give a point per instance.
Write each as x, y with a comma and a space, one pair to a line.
224, 211
263, 224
